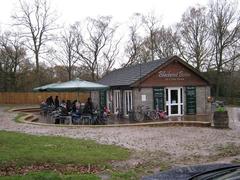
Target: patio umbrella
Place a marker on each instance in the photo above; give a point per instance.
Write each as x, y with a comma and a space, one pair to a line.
77, 85
45, 87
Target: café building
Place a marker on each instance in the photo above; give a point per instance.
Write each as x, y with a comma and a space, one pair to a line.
168, 84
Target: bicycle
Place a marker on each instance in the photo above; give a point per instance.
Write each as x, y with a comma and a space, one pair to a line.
160, 114
143, 114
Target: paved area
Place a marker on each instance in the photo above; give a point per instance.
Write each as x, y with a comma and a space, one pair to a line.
177, 141
115, 120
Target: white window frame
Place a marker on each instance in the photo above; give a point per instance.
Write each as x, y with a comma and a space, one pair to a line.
116, 101
109, 102
179, 104
127, 103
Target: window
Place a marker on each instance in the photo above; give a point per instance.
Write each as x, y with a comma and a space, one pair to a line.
174, 101
116, 101
109, 100
128, 101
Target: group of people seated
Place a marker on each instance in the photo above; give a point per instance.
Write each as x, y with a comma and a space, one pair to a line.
74, 109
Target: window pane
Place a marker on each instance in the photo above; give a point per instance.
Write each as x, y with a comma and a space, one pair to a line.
166, 94
181, 94
174, 109
126, 103
174, 96
130, 101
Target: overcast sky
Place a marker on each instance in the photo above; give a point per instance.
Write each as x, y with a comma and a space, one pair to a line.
70, 11
74, 10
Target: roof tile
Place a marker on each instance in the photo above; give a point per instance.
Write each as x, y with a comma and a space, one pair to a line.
128, 75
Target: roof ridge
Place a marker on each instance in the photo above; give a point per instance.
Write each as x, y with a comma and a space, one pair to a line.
134, 65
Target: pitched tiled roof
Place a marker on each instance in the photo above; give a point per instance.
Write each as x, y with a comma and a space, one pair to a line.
128, 75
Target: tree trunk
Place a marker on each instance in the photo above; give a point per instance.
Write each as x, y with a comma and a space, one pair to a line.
69, 74
37, 69
152, 47
92, 75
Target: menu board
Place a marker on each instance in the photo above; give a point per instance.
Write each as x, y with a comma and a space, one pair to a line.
191, 100
102, 99
158, 95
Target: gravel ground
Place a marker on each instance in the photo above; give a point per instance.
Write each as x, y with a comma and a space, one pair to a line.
177, 141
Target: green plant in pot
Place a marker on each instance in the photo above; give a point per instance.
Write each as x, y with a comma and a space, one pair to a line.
220, 109
220, 118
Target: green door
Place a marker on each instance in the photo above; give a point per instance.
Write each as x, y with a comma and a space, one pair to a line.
158, 98
102, 99
191, 100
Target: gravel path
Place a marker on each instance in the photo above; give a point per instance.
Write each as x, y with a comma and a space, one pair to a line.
177, 141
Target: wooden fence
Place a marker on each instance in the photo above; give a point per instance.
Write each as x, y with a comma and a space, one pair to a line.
38, 97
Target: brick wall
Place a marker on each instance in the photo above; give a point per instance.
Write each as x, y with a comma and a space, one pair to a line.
203, 106
137, 97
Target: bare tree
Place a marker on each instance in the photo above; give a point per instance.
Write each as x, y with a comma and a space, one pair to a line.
224, 20
66, 54
12, 53
151, 24
109, 56
134, 43
165, 43
95, 46
37, 21
194, 45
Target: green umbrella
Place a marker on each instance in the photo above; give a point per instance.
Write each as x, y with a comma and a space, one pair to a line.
73, 86
77, 85
45, 87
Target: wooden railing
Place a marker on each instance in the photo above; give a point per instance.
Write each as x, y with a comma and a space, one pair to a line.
38, 97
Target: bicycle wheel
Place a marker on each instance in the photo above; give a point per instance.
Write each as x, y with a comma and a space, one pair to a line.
154, 116
139, 116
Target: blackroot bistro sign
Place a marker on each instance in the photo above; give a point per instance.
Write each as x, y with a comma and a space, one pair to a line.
168, 75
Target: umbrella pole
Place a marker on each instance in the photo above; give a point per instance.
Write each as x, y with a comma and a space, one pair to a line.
78, 96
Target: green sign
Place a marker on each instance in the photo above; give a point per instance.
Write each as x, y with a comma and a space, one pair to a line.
158, 97
191, 100
102, 99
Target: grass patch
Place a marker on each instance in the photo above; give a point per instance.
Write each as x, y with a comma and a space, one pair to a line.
22, 149
51, 175
129, 175
236, 160
19, 116
228, 150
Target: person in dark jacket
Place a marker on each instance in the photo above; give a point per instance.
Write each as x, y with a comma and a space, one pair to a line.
69, 105
56, 102
88, 108
74, 106
50, 101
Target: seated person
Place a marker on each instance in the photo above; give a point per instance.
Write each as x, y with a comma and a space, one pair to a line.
63, 111
63, 104
78, 107
43, 104
88, 108
74, 106
50, 101
76, 111
69, 106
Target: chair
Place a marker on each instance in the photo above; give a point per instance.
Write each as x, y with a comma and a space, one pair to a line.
86, 118
76, 118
